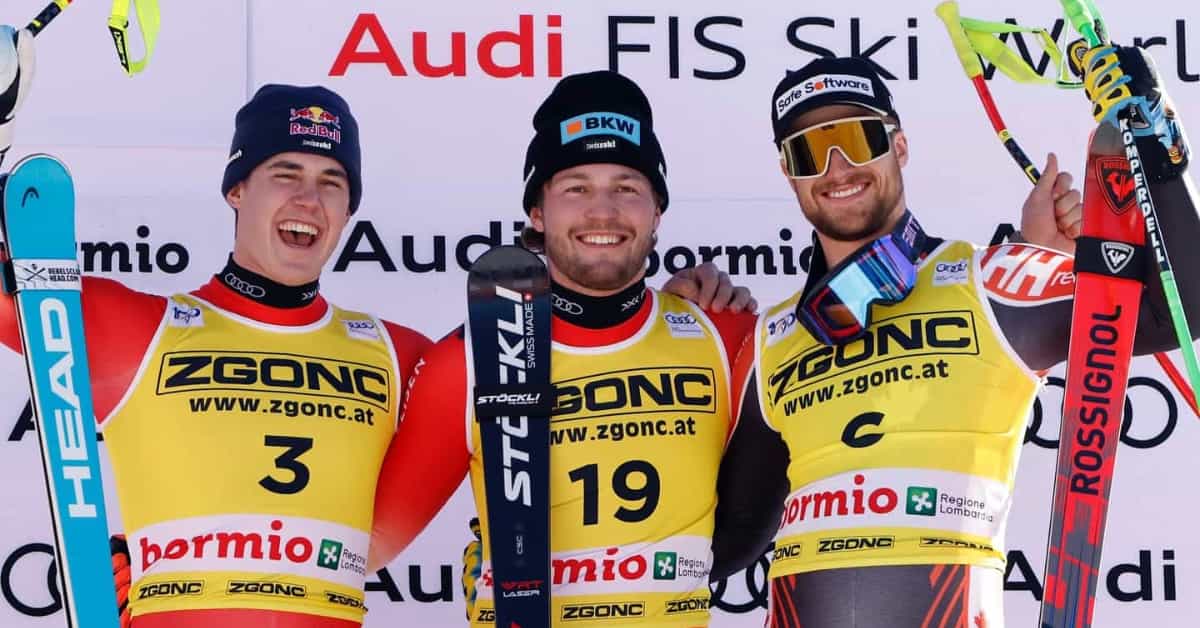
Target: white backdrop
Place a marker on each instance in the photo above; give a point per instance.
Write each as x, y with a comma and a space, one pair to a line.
442, 170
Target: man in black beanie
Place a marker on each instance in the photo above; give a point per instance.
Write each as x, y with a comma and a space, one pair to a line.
643, 394
595, 135
247, 420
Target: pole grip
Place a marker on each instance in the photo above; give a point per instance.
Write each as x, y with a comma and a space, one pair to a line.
1082, 19
46, 16
948, 12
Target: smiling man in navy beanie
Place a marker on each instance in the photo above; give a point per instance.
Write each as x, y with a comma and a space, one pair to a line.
283, 118
293, 179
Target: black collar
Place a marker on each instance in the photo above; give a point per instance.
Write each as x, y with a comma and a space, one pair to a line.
597, 312
265, 291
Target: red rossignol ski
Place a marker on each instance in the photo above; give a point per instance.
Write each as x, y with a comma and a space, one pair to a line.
1109, 263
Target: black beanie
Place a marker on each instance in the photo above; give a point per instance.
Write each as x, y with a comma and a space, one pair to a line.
285, 118
593, 118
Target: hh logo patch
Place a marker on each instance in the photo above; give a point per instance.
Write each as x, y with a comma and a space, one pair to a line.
1018, 274
950, 273
1117, 183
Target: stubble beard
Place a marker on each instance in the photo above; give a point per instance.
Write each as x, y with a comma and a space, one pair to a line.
873, 221
607, 275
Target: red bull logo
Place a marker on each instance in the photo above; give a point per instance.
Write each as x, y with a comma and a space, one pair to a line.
316, 115
315, 121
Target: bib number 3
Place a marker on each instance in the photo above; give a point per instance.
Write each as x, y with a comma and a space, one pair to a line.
289, 462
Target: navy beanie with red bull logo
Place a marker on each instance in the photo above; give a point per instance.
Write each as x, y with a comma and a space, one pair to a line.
288, 118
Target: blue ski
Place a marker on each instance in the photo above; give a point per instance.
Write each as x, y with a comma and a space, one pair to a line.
38, 218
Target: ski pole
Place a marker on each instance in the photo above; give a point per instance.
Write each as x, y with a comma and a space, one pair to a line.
118, 23
47, 15
1087, 21
1085, 467
948, 12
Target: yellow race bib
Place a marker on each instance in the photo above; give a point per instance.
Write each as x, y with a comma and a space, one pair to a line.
635, 442
245, 457
904, 443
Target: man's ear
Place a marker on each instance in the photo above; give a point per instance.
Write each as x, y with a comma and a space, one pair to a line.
537, 218
900, 141
234, 196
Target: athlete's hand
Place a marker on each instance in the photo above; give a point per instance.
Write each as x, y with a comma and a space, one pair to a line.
711, 289
1123, 78
121, 575
16, 72
1053, 212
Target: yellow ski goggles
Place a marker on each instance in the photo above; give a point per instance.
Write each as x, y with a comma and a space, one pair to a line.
861, 140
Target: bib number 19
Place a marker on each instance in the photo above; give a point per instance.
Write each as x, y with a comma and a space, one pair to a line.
646, 491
